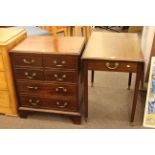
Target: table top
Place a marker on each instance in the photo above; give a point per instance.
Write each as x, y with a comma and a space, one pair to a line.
8, 34
113, 46
51, 45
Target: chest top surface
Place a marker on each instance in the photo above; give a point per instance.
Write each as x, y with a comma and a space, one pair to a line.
51, 45
7, 35
113, 46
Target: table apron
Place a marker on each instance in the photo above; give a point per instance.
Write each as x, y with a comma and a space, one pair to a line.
114, 66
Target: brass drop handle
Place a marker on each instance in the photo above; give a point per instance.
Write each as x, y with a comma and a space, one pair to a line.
34, 103
128, 66
28, 62
32, 87
60, 79
30, 76
64, 105
112, 67
63, 62
61, 88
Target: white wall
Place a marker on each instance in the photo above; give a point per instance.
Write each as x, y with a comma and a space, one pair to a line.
146, 43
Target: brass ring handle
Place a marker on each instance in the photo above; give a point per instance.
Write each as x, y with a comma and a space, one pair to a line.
30, 76
63, 62
32, 87
61, 88
59, 65
108, 65
28, 62
61, 106
33, 103
59, 79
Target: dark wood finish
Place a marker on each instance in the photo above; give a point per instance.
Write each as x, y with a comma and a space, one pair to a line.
27, 60
92, 78
113, 52
61, 76
76, 119
30, 74
138, 74
22, 114
117, 66
48, 103
46, 88
69, 113
48, 80
129, 80
85, 90
63, 62
54, 45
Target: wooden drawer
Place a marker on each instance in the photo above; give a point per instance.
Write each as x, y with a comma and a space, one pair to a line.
3, 83
30, 74
46, 88
31, 60
113, 66
4, 99
1, 63
48, 103
61, 76
59, 61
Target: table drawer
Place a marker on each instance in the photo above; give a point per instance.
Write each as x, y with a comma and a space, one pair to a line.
113, 66
46, 88
1, 63
32, 60
3, 82
59, 61
48, 103
4, 99
30, 74
61, 76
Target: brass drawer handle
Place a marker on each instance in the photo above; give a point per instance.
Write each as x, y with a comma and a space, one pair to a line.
30, 76
63, 62
128, 66
64, 105
60, 79
34, 103
112, 67
32, 87
59, 65
61, 88
28, 62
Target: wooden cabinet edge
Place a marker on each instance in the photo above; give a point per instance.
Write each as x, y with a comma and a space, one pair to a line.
11, 110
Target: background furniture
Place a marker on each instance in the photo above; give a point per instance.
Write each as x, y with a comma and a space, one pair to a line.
56, 29
119, 52
85, 31
132, 29
9, 37
47, 73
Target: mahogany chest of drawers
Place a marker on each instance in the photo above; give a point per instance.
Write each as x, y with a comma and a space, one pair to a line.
9, 37
47, 74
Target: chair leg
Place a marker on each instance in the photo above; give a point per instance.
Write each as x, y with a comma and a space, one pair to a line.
82, 31
74, 31
92, 78
129, 80
66, 32
88, 31
71, 30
